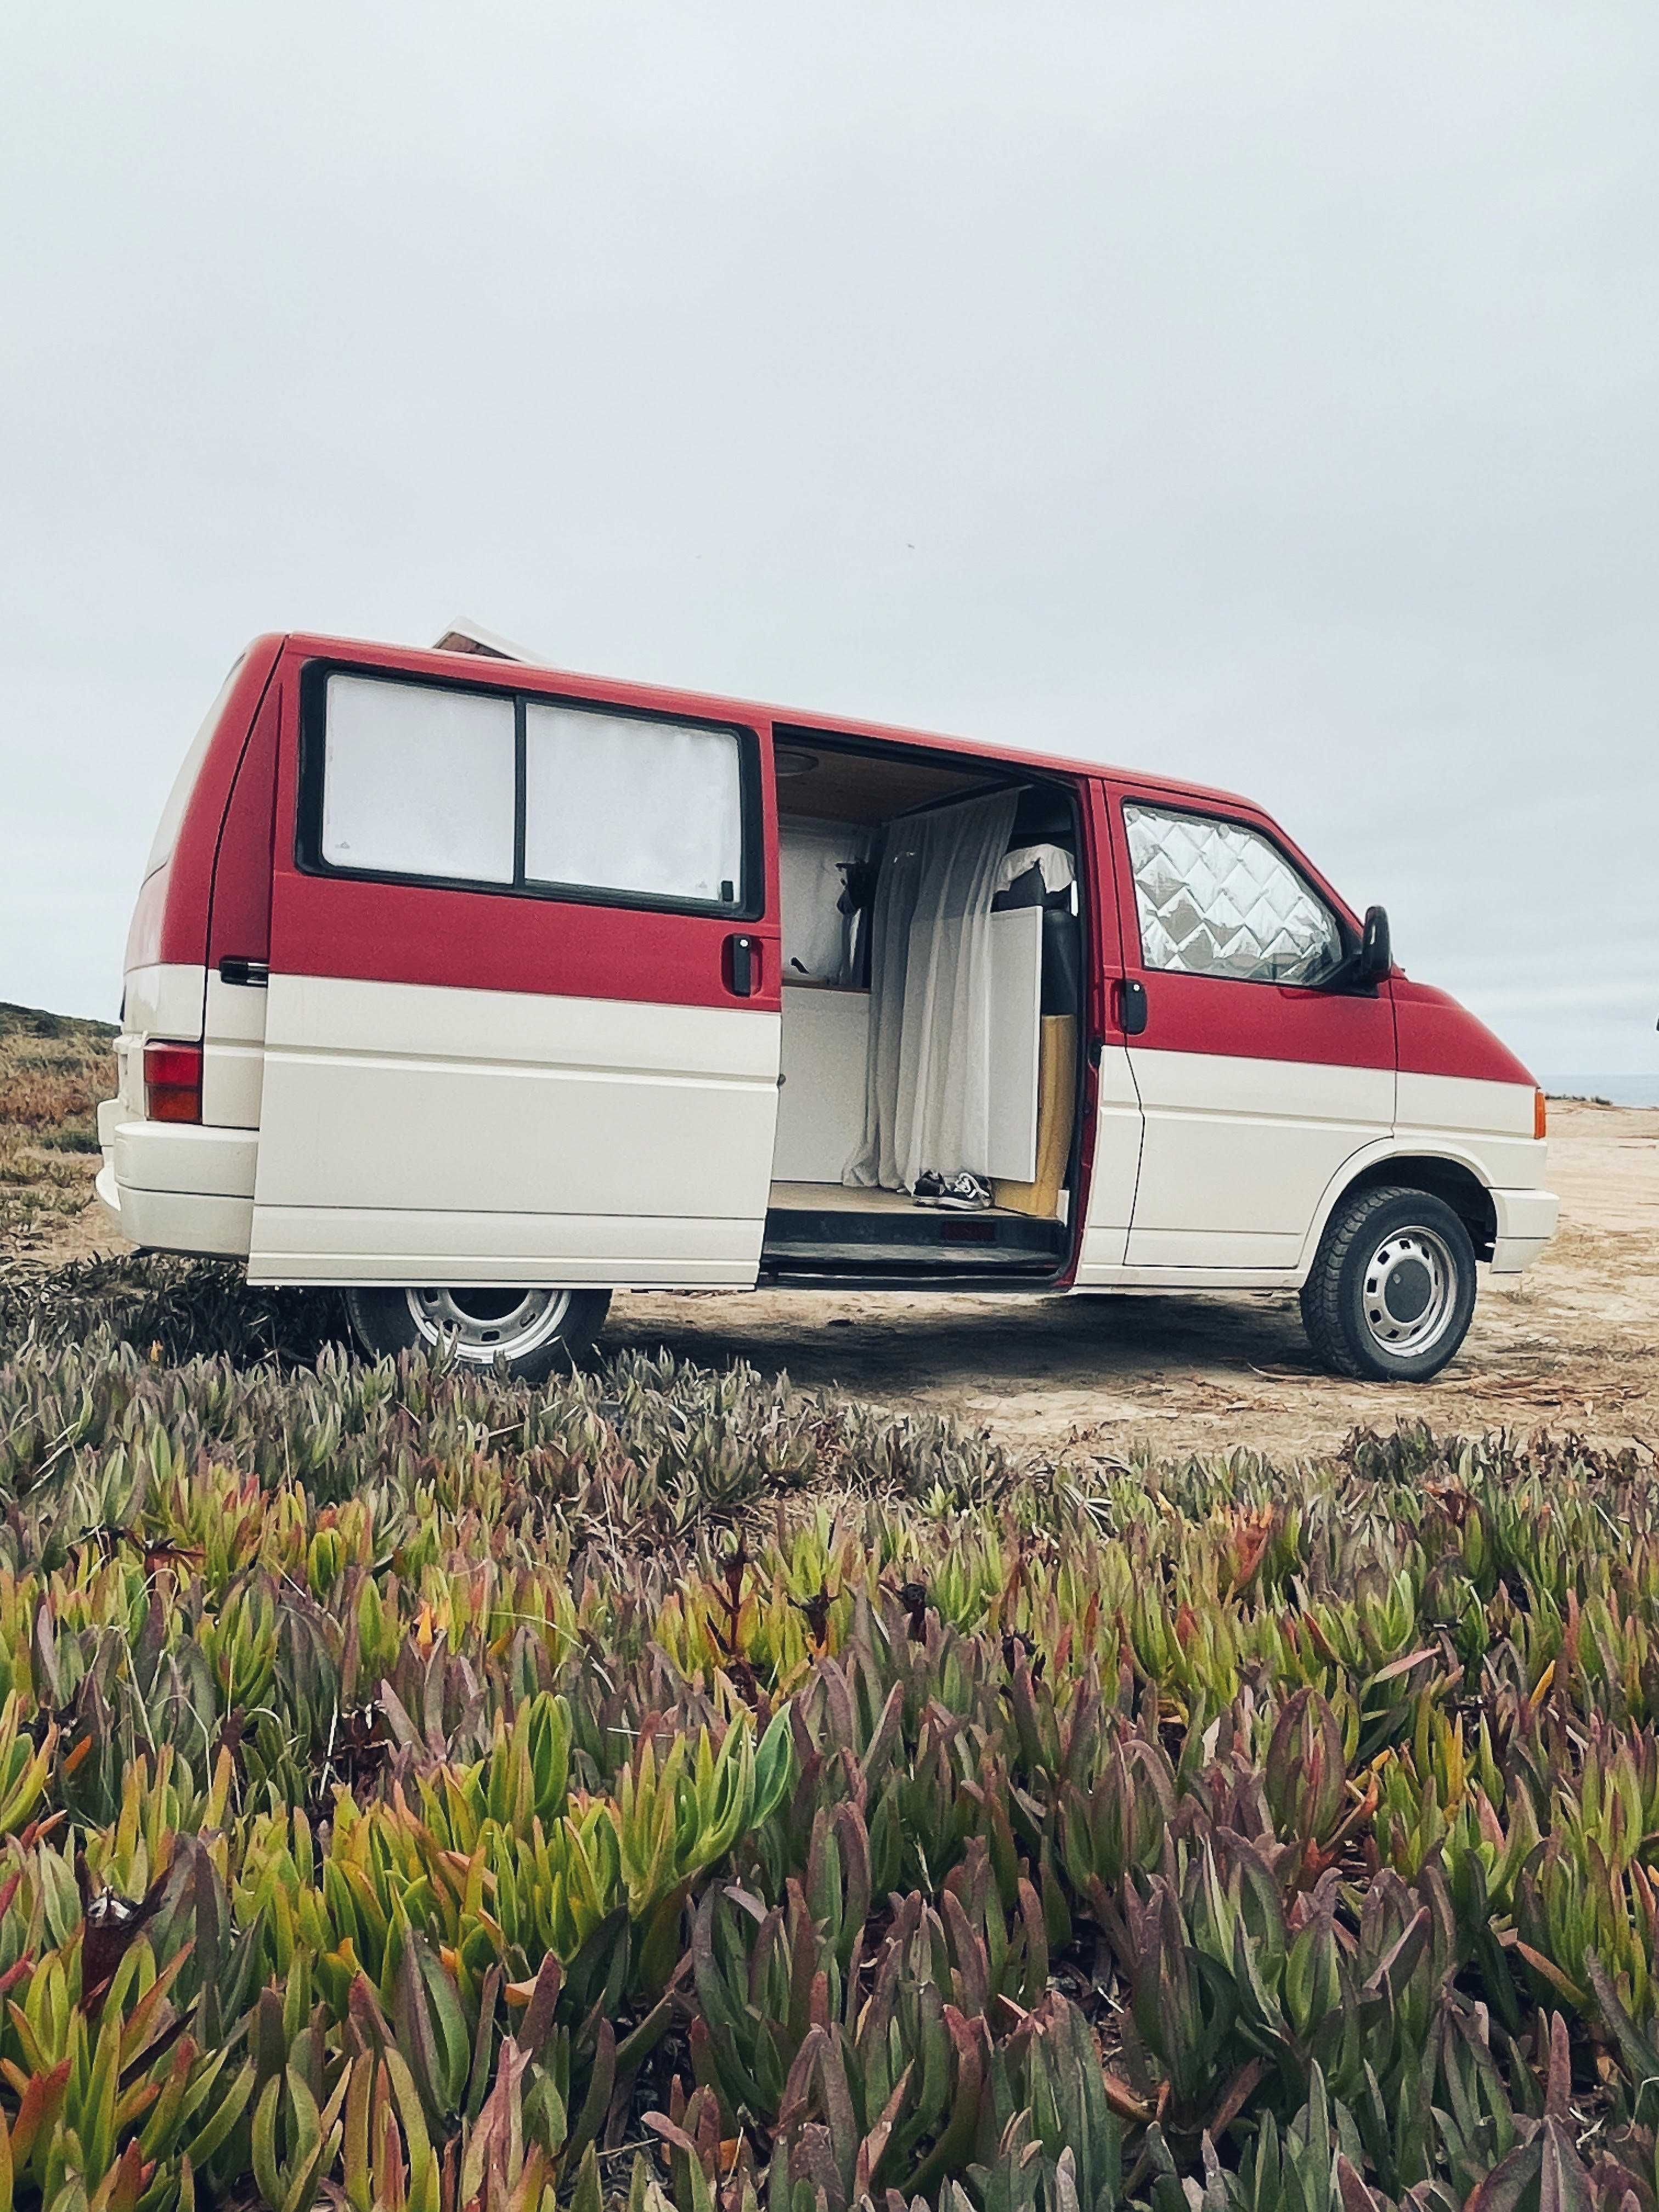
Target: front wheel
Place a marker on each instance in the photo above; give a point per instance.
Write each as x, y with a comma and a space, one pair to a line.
535, 1332
1391, 1291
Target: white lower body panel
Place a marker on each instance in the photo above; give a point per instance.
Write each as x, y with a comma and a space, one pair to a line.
1179, 1280
163, 1001
1237, 1154
1112, 1175
1486, 1111
604, 1250
1486, 1126
233, 1054
415, 1133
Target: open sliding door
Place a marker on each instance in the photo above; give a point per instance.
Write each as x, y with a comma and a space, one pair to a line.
523, 1024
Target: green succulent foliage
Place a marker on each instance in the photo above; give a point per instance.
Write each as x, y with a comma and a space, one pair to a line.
415, 1789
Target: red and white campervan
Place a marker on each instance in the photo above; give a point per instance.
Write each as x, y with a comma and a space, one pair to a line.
482, 990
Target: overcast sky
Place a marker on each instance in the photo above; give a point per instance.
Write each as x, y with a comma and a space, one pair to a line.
1266, 393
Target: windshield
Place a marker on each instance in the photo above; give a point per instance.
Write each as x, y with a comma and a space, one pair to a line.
173, 813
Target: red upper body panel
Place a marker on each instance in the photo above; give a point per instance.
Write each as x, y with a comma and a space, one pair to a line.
1439, 1037
1218, 1014
239, 925
212, 897
513, 675
170, 921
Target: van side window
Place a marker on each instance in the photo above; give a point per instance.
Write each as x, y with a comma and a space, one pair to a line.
1217, 899
449, 783
418, 781
617, 803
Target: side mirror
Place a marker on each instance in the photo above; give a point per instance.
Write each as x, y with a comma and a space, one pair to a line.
1376, 959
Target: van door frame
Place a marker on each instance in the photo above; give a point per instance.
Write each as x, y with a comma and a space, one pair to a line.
1098, 916
1110, 1124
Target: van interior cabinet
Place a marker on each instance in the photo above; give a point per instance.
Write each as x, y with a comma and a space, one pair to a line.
821, 1104
1016, 1040
826, 1032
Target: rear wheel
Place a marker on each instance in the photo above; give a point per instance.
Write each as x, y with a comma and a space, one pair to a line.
1391, 1291
536, 1332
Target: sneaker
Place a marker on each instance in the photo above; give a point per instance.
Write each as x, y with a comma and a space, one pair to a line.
964, 1194
927, 1188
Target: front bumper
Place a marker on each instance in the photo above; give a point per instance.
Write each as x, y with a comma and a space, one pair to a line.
1527, 1220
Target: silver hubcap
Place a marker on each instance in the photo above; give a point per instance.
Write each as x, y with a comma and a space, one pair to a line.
1410, 1292
482, 1325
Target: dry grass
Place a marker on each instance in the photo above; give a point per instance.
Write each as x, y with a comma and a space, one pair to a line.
37, 1094
54, 1070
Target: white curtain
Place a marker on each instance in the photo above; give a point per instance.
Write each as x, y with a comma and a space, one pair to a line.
927, 1090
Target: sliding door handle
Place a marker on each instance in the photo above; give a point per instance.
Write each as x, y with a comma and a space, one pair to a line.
743, 966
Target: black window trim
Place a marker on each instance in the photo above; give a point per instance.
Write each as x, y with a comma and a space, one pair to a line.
749, 906
1152, 803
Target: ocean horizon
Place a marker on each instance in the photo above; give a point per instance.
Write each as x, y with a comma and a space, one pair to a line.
1617, 1090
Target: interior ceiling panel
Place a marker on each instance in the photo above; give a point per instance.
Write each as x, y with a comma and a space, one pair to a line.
847, 787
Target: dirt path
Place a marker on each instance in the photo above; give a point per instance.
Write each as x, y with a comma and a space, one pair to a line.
1576, 1347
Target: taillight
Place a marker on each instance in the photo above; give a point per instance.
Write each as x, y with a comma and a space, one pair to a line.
172, 1082
1541, 1115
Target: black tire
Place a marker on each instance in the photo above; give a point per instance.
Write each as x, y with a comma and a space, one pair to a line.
1391, 1290
537, 1333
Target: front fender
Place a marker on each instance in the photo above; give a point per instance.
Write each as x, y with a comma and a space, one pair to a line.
1447, 1150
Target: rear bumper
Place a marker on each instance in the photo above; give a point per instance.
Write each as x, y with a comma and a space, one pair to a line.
174, 1188
1526, 1222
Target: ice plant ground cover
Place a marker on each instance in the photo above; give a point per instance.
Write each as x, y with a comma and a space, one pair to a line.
667, 1785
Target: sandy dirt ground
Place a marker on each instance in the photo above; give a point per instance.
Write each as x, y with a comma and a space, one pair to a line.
1576, 1347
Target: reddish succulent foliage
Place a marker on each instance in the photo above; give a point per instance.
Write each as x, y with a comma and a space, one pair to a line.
415, 1790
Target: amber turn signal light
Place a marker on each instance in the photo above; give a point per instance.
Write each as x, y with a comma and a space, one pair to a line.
1540, 1115
172, 1082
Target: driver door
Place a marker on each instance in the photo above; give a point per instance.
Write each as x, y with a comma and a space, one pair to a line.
1257, 1082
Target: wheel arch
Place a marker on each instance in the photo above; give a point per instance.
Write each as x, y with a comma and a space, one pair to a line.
1444, 1175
